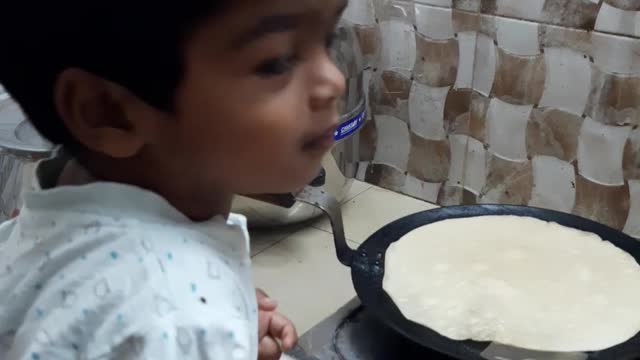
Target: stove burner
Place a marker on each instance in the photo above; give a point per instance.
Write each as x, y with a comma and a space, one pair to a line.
353, 333
361, 336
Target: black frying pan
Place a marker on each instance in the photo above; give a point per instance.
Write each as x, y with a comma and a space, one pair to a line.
367, 270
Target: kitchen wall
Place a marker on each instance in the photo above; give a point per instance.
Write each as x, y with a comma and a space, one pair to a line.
505, 101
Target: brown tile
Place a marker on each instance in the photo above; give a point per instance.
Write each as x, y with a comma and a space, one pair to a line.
478, 116
429, 160
519, 80
608, 205
614, 100
488, 26
451, 195
580, 14
508, 182
465, 21
436, 61
467, 5
631, 158
456, 111
489, 6
469, 198
558, 36
385, 176
369, 39
632, 5
368, 141
552, 132
396, 10
390, 94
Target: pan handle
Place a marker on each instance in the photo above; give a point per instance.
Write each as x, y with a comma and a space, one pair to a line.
319, 198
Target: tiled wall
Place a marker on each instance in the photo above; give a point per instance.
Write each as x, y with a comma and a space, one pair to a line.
505, 101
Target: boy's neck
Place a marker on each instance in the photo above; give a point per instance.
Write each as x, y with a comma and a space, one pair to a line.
196, 206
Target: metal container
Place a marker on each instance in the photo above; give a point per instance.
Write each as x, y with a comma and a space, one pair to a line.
20, 148
340, 165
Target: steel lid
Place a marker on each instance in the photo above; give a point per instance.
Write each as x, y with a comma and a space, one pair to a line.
17, 135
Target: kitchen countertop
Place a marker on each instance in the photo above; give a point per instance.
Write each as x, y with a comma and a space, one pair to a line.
298, 267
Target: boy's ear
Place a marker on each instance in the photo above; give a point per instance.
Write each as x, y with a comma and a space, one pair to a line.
102, 116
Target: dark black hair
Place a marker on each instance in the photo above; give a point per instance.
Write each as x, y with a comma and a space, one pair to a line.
138, 44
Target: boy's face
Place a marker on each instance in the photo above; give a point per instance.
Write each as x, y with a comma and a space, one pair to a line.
256, 110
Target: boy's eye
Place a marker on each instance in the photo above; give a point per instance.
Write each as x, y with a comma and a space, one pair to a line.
277, 66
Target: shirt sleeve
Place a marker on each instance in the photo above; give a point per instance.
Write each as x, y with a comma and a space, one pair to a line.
189, 343
156, 300
224, 341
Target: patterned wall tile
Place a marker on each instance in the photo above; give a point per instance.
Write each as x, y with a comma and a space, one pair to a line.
450, 195
467, 5
633, 5
616, 54
614, 99
465, 22
426, 110
552, 132
554, 184
519, 79
398, 46
458, 151
607, 204
457, 116
484, 71
440, 3
393, 148
632, 227
631, 158
436, 61
478, 117
568, 80
618, 20
475, 167
600, 152
508, 182
360, 12
505, 101
517, 37
421, 190
529, 9
434, 23
389, 94
368, 140
507, 129
560, 37
369, 39
429, 160
579, 14
385, 176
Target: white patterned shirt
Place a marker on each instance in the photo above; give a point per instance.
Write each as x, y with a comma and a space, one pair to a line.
110, 271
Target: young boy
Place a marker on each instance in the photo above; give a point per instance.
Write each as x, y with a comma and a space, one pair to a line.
164, 111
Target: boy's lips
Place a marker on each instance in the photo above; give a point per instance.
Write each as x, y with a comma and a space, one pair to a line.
323, 141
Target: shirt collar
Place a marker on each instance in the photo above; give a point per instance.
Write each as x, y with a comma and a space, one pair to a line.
102, 198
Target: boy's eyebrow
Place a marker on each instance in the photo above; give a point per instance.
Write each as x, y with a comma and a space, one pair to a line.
278, 24
268, 25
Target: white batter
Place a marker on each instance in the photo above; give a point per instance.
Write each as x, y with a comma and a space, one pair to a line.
516, 281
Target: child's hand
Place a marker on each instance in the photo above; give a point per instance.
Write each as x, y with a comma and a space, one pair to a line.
276, 333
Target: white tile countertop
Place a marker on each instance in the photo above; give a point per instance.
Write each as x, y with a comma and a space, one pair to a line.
298, 267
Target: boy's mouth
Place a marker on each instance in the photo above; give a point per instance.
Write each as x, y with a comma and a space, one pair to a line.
322, 142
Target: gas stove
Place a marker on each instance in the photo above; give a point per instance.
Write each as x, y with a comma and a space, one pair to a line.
352, 333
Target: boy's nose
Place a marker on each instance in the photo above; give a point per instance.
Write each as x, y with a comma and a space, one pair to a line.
329, 84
